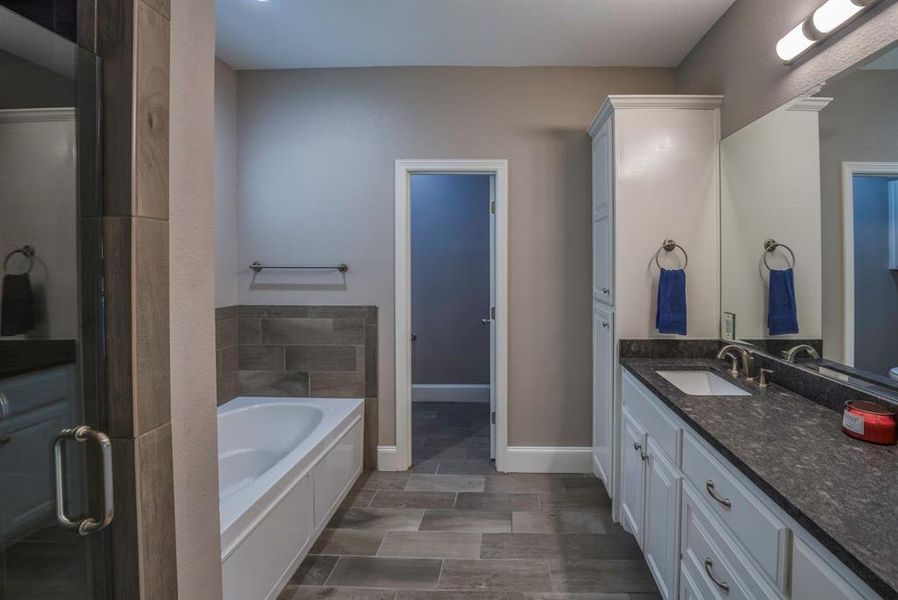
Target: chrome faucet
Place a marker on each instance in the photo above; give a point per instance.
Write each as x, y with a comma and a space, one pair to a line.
742, 354
792, 353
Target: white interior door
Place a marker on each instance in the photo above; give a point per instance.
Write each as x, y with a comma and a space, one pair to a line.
492, 317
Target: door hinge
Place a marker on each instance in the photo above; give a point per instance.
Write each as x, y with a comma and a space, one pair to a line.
493, 207
493, 417
493, 313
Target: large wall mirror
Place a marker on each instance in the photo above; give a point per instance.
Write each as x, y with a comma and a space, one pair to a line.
809, 228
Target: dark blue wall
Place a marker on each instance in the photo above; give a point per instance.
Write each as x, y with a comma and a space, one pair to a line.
450, 278
875, 286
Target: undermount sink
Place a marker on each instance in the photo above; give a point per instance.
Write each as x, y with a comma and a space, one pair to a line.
702, 383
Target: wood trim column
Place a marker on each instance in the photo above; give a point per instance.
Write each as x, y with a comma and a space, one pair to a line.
133, 40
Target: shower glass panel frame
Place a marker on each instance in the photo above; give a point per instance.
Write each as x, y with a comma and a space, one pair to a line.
53, 505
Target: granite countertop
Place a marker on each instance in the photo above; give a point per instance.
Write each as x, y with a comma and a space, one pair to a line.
843, 491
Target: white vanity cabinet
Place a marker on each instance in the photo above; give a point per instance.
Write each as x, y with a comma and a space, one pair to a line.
655, 176
707, 531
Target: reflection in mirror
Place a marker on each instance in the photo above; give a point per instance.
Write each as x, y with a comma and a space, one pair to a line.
809, 228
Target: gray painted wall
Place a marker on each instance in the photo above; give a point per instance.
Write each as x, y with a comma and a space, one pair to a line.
450, 278
316, 166
737, 56
225, 185
861, 124
875, 286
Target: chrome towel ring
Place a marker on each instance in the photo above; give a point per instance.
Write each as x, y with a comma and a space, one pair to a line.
27, 251
669, 246
770, 245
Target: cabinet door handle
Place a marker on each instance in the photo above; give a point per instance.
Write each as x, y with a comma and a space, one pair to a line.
637, 446
709, 485
709, 569
605, 324
606, 291
83, 433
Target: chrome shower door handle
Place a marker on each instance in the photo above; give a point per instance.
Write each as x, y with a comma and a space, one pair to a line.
83, 433
4, 418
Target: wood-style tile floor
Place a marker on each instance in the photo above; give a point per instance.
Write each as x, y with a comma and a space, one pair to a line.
452, 528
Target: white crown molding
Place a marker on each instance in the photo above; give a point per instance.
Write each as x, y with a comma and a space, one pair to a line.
677, 101
810, 104
42, 115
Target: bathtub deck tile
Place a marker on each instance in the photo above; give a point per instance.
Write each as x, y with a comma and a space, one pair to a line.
430, 544
381, 519
382, 572
361, 542
444, 483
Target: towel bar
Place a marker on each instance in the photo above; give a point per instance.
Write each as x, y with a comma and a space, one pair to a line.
258, 266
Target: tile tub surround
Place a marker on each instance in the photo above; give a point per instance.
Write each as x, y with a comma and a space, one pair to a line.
841, 490
300, 351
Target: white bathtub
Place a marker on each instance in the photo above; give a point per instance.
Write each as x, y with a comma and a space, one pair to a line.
284, 466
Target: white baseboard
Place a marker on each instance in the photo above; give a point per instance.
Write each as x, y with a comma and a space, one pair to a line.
600, 474
388, 458
548, 459
455, 392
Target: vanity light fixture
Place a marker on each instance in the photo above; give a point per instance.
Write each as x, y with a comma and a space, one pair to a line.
832, 15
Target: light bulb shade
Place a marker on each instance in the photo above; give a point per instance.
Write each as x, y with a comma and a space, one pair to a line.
833, 13
793, 43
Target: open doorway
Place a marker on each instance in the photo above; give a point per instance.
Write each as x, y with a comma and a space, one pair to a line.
451, 244
451, 300
871, 267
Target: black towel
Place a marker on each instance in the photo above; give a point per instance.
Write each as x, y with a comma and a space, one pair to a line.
16, 305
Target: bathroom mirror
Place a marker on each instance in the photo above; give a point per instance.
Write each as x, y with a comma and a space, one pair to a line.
809, 228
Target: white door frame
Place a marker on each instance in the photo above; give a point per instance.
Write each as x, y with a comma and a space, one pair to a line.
404, 170
849, 170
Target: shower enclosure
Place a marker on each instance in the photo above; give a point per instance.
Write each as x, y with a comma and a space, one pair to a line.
55, 462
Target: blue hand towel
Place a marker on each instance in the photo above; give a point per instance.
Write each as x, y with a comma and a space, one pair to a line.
782, 310
671, 315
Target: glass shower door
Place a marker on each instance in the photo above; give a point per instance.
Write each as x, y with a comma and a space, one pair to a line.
55, 463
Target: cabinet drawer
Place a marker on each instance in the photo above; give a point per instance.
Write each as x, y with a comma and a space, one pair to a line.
813, 578
666, 432
713, 557
762, 534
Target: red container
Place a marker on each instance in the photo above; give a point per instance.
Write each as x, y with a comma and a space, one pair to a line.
870, 422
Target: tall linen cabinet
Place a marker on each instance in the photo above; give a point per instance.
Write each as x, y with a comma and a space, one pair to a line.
655, 171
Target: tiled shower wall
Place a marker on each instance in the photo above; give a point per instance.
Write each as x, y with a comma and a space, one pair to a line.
302, 351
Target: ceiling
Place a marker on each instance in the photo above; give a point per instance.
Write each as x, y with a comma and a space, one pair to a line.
290, 34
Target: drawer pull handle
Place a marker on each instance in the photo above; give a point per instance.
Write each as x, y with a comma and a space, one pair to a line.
709, 485
709, 566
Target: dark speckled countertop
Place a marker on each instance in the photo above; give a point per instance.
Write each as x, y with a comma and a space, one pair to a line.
842, 490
